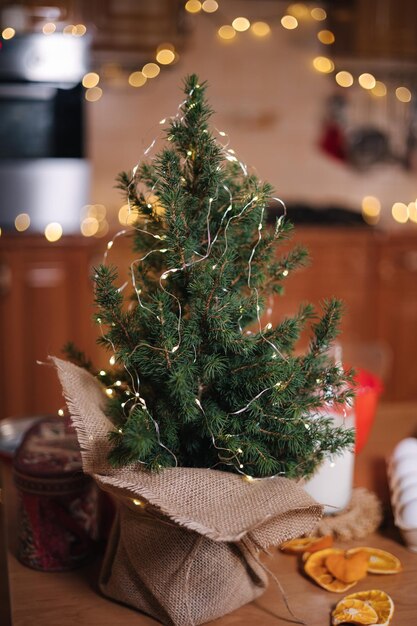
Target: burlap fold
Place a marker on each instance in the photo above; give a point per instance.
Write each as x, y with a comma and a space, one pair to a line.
183, 546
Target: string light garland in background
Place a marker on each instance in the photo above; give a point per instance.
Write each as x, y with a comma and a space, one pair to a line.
294, 15
166, 55
291, 20
49, 28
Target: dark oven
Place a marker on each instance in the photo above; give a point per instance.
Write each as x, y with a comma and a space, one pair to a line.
42, 151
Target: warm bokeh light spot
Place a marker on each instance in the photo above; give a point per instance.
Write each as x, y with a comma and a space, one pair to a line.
8, 33
319, 14
260, 29
403, 94
93, 94
165, 56
371, 210
400, 212
126, 216
90, 80
323, 64
344, 79
210, 6
49, 28
371, 206
22, 222
70, 29
53, 231
367, 81
379, 90
151, 70
226, 32
89, 226
79, 30
289, 22
193, 6
241, 24
137, 79
412, 211
326, 37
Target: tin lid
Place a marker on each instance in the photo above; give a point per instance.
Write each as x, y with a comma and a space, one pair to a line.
49, 449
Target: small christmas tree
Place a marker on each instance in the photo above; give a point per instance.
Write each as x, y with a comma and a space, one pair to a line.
191, 387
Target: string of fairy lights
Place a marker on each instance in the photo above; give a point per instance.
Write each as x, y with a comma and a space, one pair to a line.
94, 220
135, 399
133, 392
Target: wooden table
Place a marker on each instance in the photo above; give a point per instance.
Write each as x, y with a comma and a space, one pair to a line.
70, 598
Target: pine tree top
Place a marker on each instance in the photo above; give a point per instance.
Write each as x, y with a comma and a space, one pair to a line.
192, 386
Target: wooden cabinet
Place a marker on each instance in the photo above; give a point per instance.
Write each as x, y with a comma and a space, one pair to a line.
397, 311
375, 275
374, 29
46, 299
341, 265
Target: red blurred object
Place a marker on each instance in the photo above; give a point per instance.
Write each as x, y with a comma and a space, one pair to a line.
57, 524
333, 141
369, 388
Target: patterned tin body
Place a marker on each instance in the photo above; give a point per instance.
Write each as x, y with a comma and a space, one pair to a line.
58, 512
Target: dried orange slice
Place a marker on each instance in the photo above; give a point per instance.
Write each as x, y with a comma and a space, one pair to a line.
348, 568
380, 561
352, 611
306, 544
315, 567
380, 601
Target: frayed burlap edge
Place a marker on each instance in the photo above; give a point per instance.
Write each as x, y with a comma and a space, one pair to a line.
219, 505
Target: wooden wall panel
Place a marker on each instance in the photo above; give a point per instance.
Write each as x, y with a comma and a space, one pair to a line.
46, 299
341, 266
397, 311
47, 302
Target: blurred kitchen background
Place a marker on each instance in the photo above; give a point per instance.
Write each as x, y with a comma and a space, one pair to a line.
318, 98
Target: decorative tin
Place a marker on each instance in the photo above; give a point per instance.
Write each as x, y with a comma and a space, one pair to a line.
58, 513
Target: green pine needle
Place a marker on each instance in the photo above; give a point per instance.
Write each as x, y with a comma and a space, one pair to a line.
194, 387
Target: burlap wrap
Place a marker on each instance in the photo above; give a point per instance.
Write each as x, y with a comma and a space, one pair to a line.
189, 555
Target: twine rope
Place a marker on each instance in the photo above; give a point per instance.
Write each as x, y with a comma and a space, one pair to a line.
296, 620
